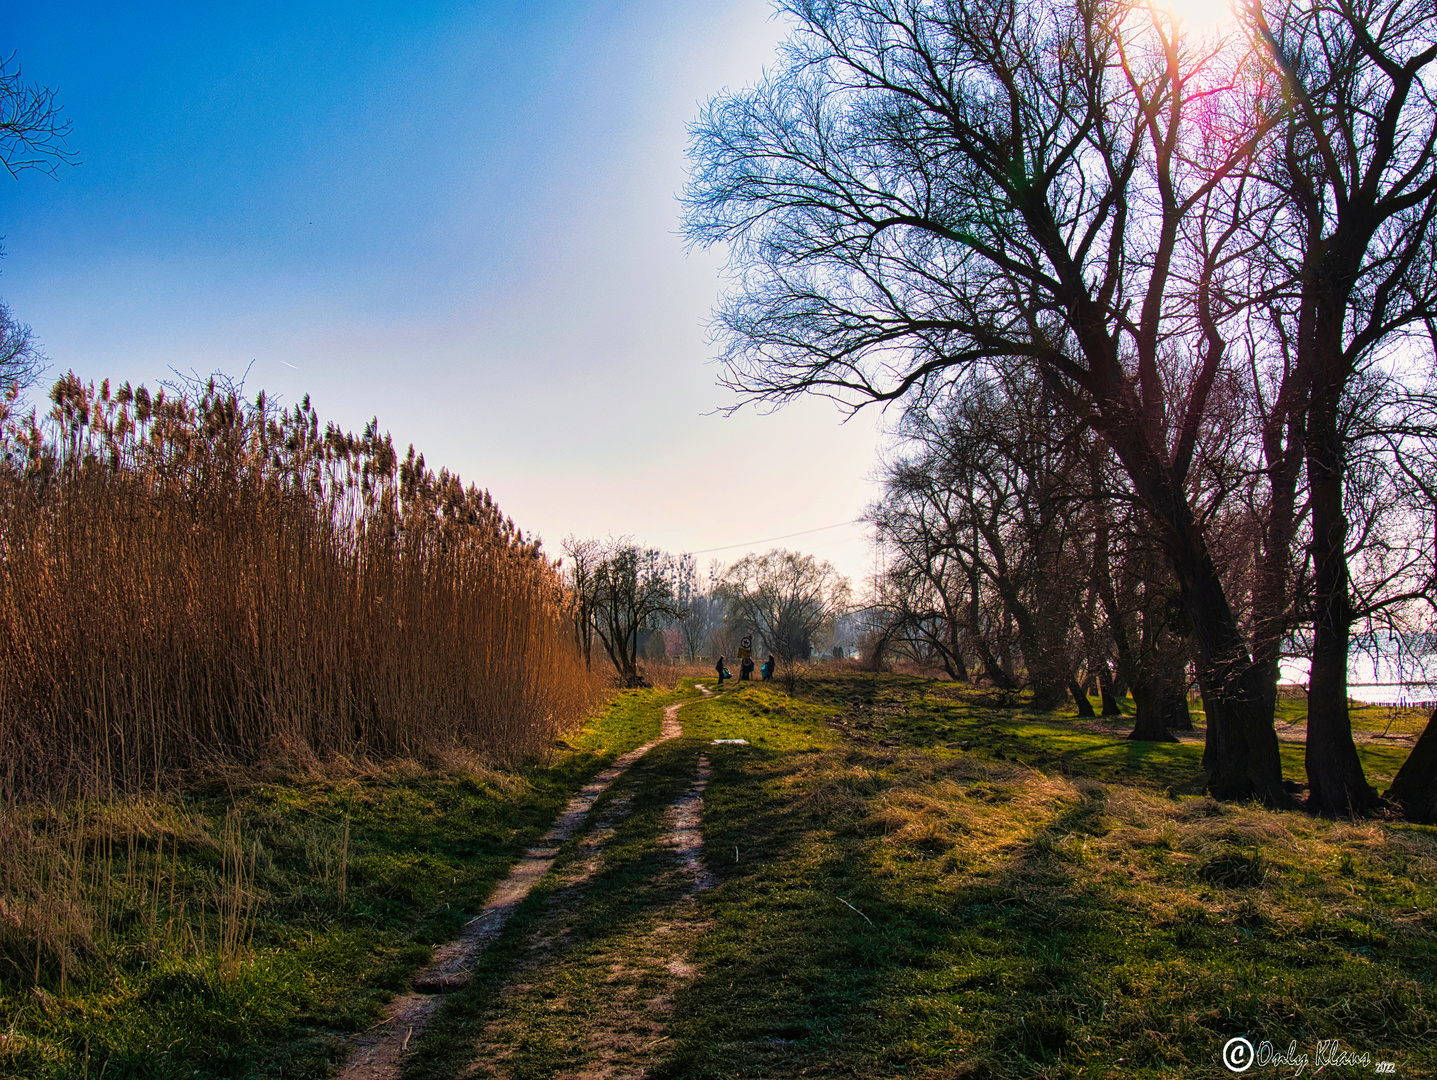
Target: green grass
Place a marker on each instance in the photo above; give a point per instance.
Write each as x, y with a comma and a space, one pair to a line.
904, 909
1048, 902
425, 847
924, 713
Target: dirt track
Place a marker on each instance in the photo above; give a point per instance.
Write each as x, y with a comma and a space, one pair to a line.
380, 1052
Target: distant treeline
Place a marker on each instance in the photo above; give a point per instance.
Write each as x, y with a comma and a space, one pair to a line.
191, 577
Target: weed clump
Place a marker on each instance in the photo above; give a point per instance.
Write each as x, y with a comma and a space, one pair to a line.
1234, 868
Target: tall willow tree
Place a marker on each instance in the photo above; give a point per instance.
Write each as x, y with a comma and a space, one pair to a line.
1356, 171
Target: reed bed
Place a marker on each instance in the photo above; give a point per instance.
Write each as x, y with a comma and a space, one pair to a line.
192, 578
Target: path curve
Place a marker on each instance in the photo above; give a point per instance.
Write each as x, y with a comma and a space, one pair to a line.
376, 1054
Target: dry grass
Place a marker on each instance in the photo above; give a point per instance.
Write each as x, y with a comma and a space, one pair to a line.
666, 675
195, 579
69, 877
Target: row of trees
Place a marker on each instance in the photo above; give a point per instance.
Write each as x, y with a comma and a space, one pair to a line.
621, 596
1015, 553
1167, 281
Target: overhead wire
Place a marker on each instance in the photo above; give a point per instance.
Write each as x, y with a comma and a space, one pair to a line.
771, 539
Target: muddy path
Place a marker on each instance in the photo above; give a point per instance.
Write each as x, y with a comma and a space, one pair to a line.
638, 979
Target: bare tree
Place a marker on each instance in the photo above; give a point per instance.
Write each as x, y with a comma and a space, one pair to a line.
32, 131
32, 136
989, 495
1395, 572
1357, 169
21, 361
702, 611
633, 591
785, 598
925, 186
582, 578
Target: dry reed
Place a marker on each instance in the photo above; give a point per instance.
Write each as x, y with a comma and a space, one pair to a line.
192, 578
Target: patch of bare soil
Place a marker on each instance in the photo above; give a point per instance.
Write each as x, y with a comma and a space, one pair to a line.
1294, 731
685, 835
378, 1053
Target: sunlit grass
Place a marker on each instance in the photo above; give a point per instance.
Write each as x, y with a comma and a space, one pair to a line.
905, 909
181, 961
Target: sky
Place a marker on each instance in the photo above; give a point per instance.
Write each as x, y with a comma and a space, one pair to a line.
459, 218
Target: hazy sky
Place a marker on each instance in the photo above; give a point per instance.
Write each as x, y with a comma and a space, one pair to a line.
460, 218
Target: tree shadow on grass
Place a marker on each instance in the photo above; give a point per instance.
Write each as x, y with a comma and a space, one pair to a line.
825, 959
563, 931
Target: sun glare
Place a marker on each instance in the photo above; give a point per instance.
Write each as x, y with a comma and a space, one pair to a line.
1200, 16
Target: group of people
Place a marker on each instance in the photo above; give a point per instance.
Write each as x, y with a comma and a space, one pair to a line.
745, 670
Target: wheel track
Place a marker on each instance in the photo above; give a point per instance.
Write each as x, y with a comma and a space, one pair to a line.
379, 1053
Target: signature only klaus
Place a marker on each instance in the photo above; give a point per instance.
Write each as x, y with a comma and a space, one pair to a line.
1239, 1055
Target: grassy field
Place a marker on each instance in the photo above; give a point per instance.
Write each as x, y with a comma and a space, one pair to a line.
1042, 904
245, 928
1048, 902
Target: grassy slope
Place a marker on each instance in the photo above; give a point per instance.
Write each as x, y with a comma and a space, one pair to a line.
1038, 919
425, 847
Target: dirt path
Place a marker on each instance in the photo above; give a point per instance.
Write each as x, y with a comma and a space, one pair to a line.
378, 1053
604, 1005
1288, 731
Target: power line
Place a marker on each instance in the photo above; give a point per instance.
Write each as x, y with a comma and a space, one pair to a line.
771, 539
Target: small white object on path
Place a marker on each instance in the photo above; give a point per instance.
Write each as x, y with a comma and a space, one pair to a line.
730, 742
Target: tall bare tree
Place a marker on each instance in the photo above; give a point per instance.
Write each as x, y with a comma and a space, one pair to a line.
986, 505
633, 591
1357, 170
21, 360
32, 129
32, 136
582, 578
786, 598
925, 186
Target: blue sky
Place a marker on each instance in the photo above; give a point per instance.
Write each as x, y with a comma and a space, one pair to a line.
457, 217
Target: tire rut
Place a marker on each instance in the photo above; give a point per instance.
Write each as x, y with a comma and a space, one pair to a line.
379, 1053
632, 985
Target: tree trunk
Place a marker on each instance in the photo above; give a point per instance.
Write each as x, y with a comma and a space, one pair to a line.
993, 668
953, 652
1414, 788
1174, 708
1174, 703
1241, 755
1150, 724
1049, 682
1336, 782
1080, 698
1105, 689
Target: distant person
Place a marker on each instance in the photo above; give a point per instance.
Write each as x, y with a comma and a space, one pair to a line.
722, 671
767, 670
745, 670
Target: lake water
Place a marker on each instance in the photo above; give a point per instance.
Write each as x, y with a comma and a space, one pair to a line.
1384, 669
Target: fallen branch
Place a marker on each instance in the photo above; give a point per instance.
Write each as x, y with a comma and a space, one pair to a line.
850, 907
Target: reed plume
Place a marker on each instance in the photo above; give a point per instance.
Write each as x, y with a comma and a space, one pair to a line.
192, 577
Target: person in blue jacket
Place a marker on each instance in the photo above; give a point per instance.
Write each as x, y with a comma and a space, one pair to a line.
767, 670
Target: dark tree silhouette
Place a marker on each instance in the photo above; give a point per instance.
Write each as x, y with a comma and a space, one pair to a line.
923, 187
